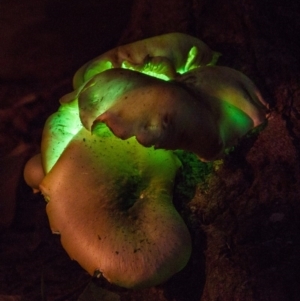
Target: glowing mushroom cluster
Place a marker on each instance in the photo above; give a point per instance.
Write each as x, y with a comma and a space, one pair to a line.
162, 56
110, 199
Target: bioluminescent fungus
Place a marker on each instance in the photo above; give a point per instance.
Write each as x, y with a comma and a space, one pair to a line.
110, 199
111, 202
234, 102
162, 56
156, 112
205, 111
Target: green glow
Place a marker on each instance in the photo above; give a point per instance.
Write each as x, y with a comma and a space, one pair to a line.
190, 59
108, 196
59, 130
159, 69
214, 59
234, 124
101, 130
194, 173
96, 68
63, 126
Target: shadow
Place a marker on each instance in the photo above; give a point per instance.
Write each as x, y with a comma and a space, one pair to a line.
88, 28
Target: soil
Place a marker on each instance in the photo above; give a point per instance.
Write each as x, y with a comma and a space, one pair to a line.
244, 212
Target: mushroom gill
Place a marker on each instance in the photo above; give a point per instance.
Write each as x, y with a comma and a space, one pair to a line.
162, 56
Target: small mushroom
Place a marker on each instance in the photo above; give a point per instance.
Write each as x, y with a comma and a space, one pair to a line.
205, 110
34, 172
111, 202
162, 56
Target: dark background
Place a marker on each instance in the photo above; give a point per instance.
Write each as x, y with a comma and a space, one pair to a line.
245, 224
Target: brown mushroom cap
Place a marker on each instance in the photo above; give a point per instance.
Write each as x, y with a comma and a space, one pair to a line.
111, 199
206, 110
111, 202
34, 172
156, 112
228, 86
164, 55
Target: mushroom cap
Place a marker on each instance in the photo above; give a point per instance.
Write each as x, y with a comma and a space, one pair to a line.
235, 102
229, 86
161, 56
158, 113
58, 131
111, 202
205, 110
34, 172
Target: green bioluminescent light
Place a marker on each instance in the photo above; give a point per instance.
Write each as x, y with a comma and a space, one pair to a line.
98, 68
234, 124
189, 65
161, 69
63, 126
110, 200
179, 52
59, 130
110, 155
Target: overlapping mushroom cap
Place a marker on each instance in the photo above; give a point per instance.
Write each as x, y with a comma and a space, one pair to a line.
111, 202
110, 199
162, 56
205, 111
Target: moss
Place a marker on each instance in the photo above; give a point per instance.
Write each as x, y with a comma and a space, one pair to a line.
192, 174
